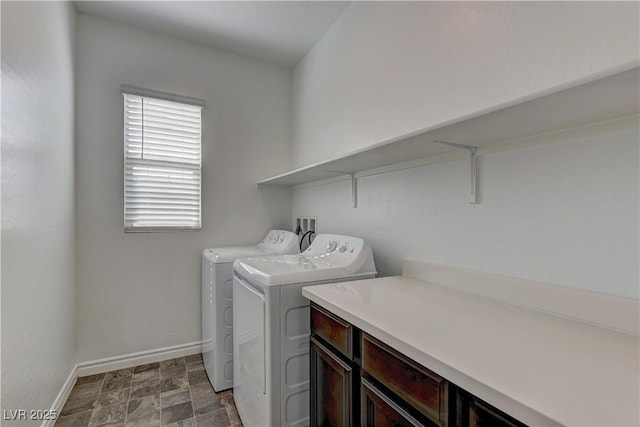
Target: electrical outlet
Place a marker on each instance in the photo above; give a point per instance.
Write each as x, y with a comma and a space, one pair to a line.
306, 223
306, 227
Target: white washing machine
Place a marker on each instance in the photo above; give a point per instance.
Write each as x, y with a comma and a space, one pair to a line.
217, 301
271, 325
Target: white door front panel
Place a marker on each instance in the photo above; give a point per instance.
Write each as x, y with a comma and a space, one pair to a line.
224, 340
208, 316
294, 356
217, 322
249, 353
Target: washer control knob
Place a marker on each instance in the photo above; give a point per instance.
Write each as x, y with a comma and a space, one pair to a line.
331, 246
342, 248
273, 238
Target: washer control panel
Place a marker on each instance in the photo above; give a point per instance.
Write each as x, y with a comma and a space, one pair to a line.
280, 241
331, 246
340, 247
335, 249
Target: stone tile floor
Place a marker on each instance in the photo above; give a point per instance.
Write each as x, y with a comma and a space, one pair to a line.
174, 393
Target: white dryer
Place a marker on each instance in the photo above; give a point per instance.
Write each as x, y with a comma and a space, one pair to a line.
217, 301
271, 325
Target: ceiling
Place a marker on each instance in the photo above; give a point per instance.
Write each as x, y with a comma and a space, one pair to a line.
276, 31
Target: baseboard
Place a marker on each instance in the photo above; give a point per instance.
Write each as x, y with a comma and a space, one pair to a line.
118, 362
135, 359
62, 396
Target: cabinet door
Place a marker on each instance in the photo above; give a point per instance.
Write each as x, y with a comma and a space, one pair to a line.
378, 410
482, 414
331, 391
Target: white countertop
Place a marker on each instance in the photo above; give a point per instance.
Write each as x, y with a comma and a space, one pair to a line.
540, 368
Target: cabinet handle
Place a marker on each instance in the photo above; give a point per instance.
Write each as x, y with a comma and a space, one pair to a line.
373, 389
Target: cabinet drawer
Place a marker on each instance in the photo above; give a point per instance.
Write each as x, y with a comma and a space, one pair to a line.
482, 414
333, 330
378, 410
424, 390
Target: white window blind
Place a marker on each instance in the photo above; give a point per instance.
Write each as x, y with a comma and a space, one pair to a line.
162, 164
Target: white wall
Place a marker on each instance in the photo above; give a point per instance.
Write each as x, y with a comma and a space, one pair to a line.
141, 292
565, 214
386, 69
38, 237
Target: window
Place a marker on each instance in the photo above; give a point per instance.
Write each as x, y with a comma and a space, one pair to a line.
162, 162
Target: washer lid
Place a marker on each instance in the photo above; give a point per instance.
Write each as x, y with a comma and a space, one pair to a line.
275, 242
232, 253
329, 257
286, 269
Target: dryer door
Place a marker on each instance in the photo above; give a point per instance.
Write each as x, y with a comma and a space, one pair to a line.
249, 333
249, 353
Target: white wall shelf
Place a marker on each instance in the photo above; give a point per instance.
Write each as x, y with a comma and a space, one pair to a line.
596, 99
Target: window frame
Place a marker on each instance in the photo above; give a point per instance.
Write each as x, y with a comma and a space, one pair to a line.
162, 96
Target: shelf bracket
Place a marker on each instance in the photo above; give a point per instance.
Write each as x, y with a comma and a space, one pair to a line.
473, 152
354, 190
354, 186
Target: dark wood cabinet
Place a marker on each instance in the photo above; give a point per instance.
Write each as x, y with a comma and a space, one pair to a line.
331, 391
357, 379
422, 389
333, 330
334, 373
481, 414
378, 410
